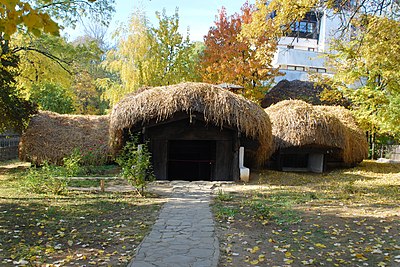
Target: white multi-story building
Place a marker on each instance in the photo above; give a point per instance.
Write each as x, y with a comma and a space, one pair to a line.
301, 53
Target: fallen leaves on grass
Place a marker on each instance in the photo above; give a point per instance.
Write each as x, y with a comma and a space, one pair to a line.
343, 218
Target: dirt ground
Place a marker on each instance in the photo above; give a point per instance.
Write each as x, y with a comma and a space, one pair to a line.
342, 218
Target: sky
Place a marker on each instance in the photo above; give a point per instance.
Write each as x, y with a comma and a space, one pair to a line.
198, 15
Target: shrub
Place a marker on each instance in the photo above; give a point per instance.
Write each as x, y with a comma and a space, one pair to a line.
136, 164
44, 180
72, 163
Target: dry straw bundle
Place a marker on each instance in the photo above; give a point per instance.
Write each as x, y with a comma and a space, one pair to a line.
356, 145
220, 107
51, 137
296, 123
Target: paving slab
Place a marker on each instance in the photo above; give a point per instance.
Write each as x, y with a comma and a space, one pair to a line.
184, 233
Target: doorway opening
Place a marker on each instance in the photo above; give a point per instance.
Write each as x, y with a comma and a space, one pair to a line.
191, 160
295, 162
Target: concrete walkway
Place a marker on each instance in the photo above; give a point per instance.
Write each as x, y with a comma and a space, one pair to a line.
183, 235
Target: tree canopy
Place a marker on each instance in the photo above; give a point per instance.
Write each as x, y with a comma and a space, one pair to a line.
23, 25
227, 59
149, 56
364, 58
41, 16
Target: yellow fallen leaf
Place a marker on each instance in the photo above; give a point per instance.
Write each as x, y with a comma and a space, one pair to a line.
319, 245
254, 262
40, 233
361, 256
254, 249
288, 261
288, 254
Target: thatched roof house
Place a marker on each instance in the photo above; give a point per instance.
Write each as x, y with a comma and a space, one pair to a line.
51, 137
297, 90
306, 137
194, 123
356, 145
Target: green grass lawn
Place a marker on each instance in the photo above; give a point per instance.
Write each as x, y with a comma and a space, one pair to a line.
347, 217
75, 228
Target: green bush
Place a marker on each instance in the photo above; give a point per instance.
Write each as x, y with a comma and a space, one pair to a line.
72, 164
136, 164
44, 180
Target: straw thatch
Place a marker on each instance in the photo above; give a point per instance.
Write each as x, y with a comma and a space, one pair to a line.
51, 137
296, 123
356, 145
290, 90
219, 107
300, 90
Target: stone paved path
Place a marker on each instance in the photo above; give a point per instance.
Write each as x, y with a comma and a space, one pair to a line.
183, 235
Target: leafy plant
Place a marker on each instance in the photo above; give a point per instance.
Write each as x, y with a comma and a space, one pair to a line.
222, 196
135, 162
44, 180
224, 212
72, 163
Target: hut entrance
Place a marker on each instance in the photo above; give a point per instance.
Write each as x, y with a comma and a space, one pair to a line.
310, 162
191, 160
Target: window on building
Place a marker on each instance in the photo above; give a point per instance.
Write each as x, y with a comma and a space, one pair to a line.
290, 46
306, 28
311, 69
311, 49
289, 67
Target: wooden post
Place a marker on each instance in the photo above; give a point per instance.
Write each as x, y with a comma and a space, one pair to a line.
102, 185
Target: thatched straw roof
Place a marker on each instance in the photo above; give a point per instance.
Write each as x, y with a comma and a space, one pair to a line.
356, 145
300, 90
290, 90
51, 137
219, 107
297, 123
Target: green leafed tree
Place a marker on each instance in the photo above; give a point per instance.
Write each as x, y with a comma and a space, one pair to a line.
369, 61
35, 18
53, 97
51, 60
14, 118
149, 56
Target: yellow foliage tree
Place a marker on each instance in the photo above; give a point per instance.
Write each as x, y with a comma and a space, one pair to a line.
226, 59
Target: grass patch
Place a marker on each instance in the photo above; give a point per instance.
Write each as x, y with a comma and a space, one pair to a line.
74, 228
346, 217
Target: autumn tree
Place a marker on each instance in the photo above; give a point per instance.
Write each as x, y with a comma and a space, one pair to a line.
149, 56
229, 59
364, 57
35, 18
369, 62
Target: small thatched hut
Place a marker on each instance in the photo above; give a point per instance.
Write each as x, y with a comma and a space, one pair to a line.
307, 137
51, 137
356, 146
194, 130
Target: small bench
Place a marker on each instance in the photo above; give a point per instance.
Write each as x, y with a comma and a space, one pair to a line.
99, 178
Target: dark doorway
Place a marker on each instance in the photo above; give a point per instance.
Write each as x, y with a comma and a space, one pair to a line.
191, 160
294, 162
